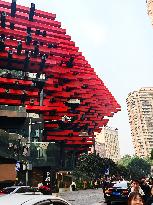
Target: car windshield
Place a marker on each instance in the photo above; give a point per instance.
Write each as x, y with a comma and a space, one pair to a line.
121, 184
8, 190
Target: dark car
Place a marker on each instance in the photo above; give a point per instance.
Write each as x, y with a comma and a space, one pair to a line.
117, 193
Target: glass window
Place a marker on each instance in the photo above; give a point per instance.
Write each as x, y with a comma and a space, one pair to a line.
122, 184
44, 202
59, 203
23, 190
8, 190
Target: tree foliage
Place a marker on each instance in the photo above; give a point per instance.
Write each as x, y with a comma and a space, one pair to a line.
123, 171
125, 160
92, 166
138, 167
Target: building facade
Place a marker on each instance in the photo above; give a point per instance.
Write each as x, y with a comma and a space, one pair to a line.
42, 74
150, 9
100, 149
49, 93
140, 111
108, 139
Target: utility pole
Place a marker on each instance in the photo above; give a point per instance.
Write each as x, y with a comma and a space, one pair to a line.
29, 134
28, 168
27, 176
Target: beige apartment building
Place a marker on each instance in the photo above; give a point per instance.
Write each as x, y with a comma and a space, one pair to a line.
107, 144
100, 149
140, 111
150, 9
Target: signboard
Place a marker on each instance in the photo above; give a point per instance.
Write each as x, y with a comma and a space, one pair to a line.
17, 166
107, 171
29, 166
48, 177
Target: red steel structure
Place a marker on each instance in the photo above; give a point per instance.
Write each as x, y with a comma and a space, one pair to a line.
75, 101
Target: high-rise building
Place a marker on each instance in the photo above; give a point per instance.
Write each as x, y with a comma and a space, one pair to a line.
100, 149
150, 9
140, 111
108, 139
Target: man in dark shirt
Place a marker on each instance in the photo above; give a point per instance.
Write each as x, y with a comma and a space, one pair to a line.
146, 189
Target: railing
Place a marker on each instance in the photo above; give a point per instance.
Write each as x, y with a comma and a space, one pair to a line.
13, 108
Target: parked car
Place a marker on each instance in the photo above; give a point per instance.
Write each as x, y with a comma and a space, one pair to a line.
117, 193
19, 189
20, 199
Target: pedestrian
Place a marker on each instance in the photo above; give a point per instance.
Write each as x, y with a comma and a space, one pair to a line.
40, 184
45, 189
146, 188
135, 199
150, 181
135, 187
150, 198
96, 184
105, 185
73, 186
84, 184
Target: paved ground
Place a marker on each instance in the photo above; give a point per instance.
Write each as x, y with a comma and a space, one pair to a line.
84, 197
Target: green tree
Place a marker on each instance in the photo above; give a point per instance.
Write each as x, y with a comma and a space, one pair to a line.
124, 172
93, 166
138, 167
125, 160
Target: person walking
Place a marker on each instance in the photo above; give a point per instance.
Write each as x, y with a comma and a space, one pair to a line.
96, 184
105, 185
146, 188
150, 198
135, 198
135, 187
85, 184
73, 186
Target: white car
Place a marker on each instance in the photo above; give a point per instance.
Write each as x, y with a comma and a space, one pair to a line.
18, 189
24, 199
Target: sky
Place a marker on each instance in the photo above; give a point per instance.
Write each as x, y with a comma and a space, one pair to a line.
116, 37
